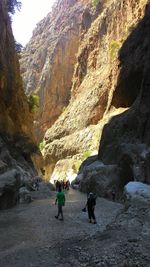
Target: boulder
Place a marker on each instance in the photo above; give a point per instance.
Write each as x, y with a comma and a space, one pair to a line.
76, 182
100, 179
9, 186
3, 166
137, 190
24, 195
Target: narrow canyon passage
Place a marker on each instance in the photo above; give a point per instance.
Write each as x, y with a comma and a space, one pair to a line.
31, 236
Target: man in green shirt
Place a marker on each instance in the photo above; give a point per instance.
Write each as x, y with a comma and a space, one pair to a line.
60, 199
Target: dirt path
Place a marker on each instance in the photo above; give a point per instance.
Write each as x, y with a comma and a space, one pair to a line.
31, 236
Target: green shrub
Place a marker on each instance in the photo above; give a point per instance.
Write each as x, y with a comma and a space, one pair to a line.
12, 5
114, 47
41, 145
86, 154
95, 3
33, 102
18, 47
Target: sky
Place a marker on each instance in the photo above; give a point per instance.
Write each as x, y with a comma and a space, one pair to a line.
25, 20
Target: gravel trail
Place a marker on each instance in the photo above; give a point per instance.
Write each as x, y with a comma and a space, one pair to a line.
32, 237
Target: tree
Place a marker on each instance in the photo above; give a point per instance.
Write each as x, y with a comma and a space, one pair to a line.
12, 5
18, 47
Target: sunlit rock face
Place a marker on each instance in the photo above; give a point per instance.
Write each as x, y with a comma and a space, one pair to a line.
89, 64
99, 90
16, 138
48, 60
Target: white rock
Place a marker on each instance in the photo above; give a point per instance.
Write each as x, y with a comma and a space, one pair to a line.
134, 189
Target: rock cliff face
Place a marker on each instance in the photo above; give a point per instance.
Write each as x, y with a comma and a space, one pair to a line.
48, 60
100, 89
16, 138
109, 78
127, 135
14, 114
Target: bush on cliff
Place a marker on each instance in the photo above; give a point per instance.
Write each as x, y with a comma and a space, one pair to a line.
114, 47
12, 5
95, 3
33, 101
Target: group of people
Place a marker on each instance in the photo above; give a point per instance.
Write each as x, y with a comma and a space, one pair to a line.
90, 205
64, 184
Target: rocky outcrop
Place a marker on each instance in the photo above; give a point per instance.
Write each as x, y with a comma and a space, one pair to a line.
16, 138
48, 60
110, 79
98, 91
14, 112
127, 135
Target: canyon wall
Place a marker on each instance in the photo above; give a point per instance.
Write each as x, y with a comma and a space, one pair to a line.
14, 112
109, 74
96, 95
16, 127
48, 60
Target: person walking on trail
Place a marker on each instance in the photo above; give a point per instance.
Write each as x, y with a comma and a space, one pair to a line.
60, 200
91, 203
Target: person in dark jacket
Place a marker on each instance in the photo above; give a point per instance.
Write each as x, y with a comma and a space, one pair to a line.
91, 203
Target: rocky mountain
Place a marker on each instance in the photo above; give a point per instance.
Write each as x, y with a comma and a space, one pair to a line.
48, 60
108, 85
16, 127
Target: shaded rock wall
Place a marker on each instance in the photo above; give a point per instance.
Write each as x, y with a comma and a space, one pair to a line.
16, 138
14, 111
127, 135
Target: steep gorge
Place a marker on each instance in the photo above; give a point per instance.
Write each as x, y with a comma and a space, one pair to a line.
109, 70
48, 60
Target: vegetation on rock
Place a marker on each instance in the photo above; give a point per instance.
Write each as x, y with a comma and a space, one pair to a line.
41, 145
12, 5
95, 3
18, 47
33, 101
114, 47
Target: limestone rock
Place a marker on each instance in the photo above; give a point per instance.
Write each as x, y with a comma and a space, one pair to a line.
9, 185
3, 166
48, 60
137, 190
110, 77
80, 142
14, 112
63, 170
100, 179
16, 135
24, 195
98, 88
130, 130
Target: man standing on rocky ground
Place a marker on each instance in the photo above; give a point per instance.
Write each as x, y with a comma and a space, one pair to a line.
91, 203
60, 199
113, 193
